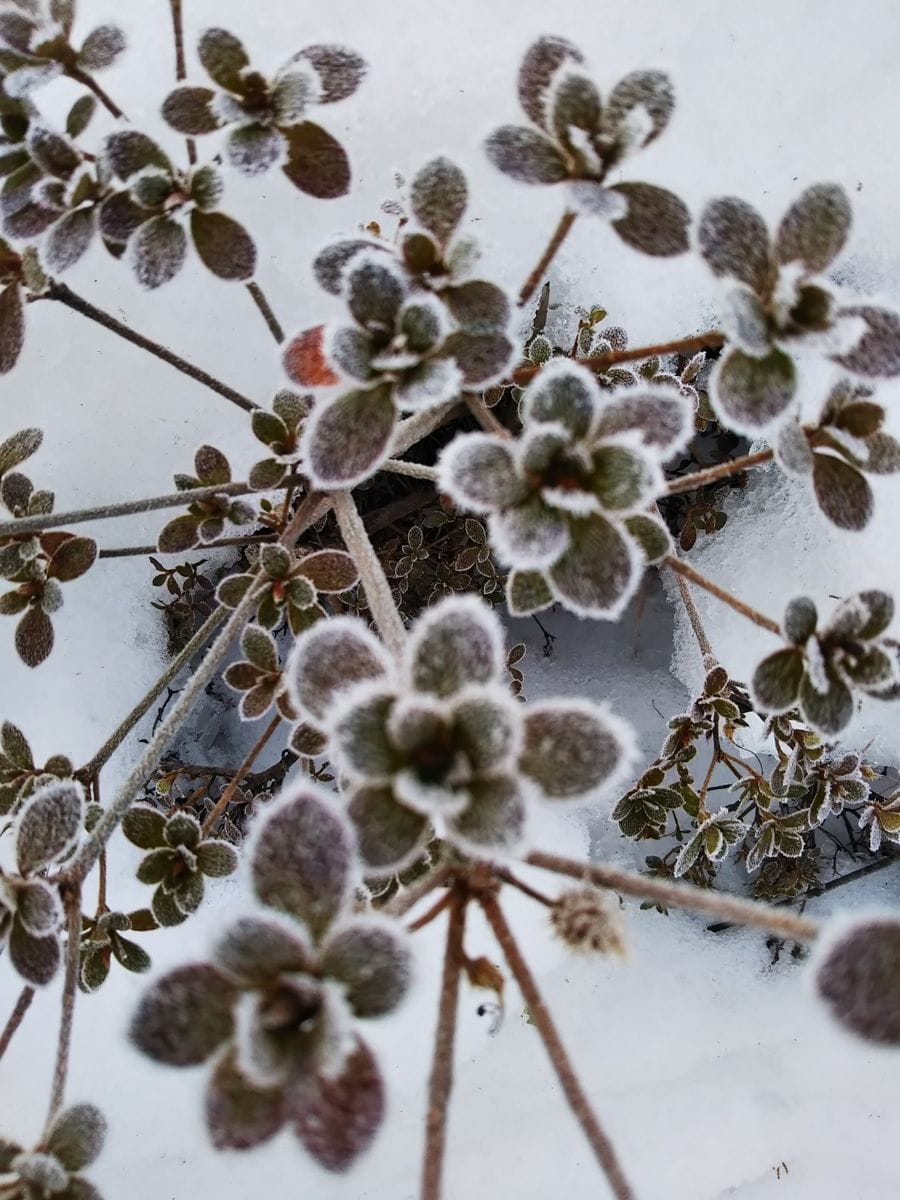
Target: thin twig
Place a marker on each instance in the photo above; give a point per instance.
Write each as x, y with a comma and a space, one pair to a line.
91, 83
70, 990
429, 915
259, 299
181, 65
440, 1082
16, 1018
522, 886
699, 341
484, 416
709, 659
680, 567
566, 221
374, 580
397, 466
65, 295
253, 539
682, 895
240, 774
699, 479
562, 1065
408, 898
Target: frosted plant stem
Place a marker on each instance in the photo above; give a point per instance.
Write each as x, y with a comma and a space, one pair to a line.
239, 775
374, 580
440, 1083
16, 1018
259, 299
566, 221
126, 508
758, 618
435, 911
700, 341
396, 466
91, 83
709, 659
699, 479
682, 895
408, 898
484, 416
70, 991
180, 65
540, 1015
194, 646
65, 295
254, 539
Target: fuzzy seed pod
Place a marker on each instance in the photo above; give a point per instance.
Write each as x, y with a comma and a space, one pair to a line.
590, 919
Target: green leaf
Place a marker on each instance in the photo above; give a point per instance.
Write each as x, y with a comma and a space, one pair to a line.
438, 197
494, 818
34, 636
814, 229
129, 954
373, 963
185, 1016
749, 394
240, 1115
73, 558
527, 592
158, 251
598, 572
455, 643
189, 110
80, 115
843, 494
573, 748
525, 155
224, 246
180, 534
347, 438
224, 58
216, 858
316, 164
734, 240
19, 447
479, 471
776, 681
129, 151
651, 535
389, 835
144, 826
329, 570
657, 221
15, 747
101, 48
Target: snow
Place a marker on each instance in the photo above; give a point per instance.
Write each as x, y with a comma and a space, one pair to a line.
709, 1067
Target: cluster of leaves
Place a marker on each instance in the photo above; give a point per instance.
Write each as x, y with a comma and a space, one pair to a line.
191, 594
45, 831
437, 742
279, 431
36, 564
277, 1004
19, 775
267, 118
204, 520
53, 1167
423, 330
288, 586
36, 40
567, 501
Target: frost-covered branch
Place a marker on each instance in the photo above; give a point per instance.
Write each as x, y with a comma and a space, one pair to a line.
699, 479
690, 608
700, 341
374, 580
240, 774
758, 618
72, 898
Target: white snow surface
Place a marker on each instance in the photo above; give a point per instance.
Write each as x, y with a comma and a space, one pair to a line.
711, 1070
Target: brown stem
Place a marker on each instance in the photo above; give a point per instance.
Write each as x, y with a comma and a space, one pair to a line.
699, 479
90, 82
440, 1082
699, 341
526, 888
427, 917
65, 295
681, 895
17, 1017
265, 308
681, 568
225, 799
484, 416
137, 551
540, 1015
566, 221
180, 65
70, 989
709, 659
371, 572
409, 897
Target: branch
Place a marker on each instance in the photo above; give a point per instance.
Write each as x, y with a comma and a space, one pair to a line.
239, 775
70, 990
682, 895
566, 221
181, 66
681, 568
65, 295
252, 539
540, 1015
699, 341
483, 415
440, 1082
91, 83
265, 308
408, 898
699, 479
709, 659
397, 466
374, 580
16, 1018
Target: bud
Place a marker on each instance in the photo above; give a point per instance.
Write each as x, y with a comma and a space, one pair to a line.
591, 920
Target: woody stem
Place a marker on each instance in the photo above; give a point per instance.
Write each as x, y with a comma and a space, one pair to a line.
681, 568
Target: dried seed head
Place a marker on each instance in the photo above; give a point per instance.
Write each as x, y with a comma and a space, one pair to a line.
590, 919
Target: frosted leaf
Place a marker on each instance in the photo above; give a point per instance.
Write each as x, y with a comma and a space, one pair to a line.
657, 220
877, 352
38, 908
316, 163
663, 419
240, 1116
494, 818
814, 229
483, 357
751, 394
375, 292
49, 824
224, 58
223, 245
438, 196
158, 251
598, 573
390, 836
530, 534
70, 238
650, 91
800, 619
340, 70
216, 858
456, 642
829, 711
331, 263
589, 919
572, 748
479, 306
329, 571
43, 1174
478, 471
346, 440
35, 959
651, 535
255, 950
130, 151
734, 240
301, 858
541, 62
428, 385
858, 977
563, 393
189, 111
360, 733
792, 450
351, 350
842, 492
330, 658
574, 103
337, 1116
776, 681
292, 94
185, 1016
487, 728
77, 1135
525, 155
372, 961
863, 616
745, 321
527, 592
622, 478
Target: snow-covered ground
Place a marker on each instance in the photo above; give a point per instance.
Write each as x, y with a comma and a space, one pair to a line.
710, 1069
